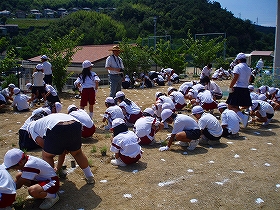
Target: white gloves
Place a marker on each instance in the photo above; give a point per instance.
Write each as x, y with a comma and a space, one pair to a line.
165, 148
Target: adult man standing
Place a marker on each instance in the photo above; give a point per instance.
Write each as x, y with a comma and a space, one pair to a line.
47, 69
115, 67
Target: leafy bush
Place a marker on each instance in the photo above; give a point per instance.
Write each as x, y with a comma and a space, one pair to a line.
12, 78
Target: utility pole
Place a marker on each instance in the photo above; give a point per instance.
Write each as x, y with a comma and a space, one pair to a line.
155, 32
276, 60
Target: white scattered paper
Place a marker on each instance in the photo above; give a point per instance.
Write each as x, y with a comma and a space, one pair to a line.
184, 153
239, 172
236, 156
267, 164
135, 171
253, 149
230, 142
269, 143
193, 200
222, 182
103, 181
259, 200
211, 161
190, 170
161, 184
162, 159
277, 185
127, 195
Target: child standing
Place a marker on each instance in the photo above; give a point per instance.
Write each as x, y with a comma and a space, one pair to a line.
88, 83
38, 89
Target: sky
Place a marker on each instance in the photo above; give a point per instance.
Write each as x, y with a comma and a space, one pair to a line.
260, 12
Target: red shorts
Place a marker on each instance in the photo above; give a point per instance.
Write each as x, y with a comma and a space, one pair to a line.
88, 95
88, 132
145, 140
53, 189
179, 106
209, 106
133, 117
7, 200
128, 160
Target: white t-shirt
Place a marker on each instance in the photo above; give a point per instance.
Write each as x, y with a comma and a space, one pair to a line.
47, 67
209, 122
89, 81
177, 97
20, 101
5, 92
114, 62
2, 98
244, 75
144, 125
40, 127
83, 117
7, 184
265, 108
231, 120
254, 96
126, 143
184, 122
38, 78
37, 169
113, 112
205, 72
166, 99
130, 109
213, 87
50, 89
204, 97
183, 88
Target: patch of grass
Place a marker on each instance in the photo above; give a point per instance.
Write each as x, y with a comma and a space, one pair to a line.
90, 162
108, 135
93, 149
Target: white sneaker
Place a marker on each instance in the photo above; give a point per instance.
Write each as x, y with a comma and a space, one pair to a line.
90, 180
117, 162
193, 144
182, 144
31, 104
49, 202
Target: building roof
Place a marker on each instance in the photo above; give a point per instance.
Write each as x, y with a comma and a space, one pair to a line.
262, 53
92, 53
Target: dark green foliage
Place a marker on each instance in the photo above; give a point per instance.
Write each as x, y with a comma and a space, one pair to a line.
134, 19
60, 53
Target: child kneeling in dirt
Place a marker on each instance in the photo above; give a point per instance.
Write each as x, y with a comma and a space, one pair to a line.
36, 174
124, 144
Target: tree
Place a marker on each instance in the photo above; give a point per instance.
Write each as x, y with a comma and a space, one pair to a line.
60, 53
135, 58
203, 51
165, 57
10, 61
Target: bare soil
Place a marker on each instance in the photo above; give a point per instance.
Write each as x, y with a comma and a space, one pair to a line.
240, 173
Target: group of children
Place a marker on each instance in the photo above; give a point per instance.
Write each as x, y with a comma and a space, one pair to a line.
60, 133
151, 79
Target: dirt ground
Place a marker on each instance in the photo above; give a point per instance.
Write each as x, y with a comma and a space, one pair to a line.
239, 174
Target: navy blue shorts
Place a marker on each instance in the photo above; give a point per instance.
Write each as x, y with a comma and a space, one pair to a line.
63, 137
193, 134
